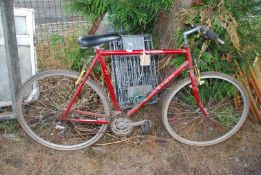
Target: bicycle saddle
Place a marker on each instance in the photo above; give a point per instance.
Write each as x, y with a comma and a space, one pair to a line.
97, 40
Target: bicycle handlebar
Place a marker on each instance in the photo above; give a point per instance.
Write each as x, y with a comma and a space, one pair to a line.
205, 31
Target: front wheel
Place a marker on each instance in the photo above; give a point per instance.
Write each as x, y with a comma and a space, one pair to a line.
225, 101
45, 97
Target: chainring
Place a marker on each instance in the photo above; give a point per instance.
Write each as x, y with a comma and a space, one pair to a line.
117, 126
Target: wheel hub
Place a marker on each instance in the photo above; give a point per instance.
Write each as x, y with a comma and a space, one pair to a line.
199, 112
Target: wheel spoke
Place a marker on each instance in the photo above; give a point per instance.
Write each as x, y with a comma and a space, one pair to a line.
182, 117
39, 117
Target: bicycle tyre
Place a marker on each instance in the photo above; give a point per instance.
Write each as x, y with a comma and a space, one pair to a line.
56, 87
221, 118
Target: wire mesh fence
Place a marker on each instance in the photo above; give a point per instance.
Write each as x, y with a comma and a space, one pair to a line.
51, 16
55, 28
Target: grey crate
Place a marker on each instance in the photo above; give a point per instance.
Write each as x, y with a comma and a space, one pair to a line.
133, 82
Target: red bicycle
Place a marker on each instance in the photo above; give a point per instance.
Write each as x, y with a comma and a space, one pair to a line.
200, 110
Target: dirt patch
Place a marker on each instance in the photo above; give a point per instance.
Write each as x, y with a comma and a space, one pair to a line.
154, 154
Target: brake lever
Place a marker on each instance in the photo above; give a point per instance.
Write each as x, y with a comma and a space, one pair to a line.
220, 41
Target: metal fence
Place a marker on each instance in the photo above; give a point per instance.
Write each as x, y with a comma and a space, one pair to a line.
53, 23
51, 16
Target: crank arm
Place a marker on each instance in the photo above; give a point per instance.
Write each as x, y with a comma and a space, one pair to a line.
128, 125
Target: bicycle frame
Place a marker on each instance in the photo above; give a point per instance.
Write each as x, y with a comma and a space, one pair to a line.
100, 58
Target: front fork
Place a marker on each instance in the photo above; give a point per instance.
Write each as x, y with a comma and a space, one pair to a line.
195, 91
194, 86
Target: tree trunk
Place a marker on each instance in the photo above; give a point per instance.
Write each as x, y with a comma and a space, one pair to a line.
95, 25
168, 24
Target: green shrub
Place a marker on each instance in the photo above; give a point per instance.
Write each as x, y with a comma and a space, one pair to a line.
66, 49
134, 16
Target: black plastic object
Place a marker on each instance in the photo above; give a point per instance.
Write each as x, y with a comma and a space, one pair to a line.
97, 40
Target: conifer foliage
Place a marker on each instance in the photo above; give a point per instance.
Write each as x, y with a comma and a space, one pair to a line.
238, 22
133, 16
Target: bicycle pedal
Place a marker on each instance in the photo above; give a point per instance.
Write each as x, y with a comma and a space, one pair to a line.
146, 126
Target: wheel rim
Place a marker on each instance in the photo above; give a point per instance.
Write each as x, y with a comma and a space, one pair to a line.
222, 98
48, 97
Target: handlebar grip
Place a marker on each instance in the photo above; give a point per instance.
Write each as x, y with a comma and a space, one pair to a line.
211, 34
208, 33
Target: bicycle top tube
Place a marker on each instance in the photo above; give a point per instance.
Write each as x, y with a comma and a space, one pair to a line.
140, 52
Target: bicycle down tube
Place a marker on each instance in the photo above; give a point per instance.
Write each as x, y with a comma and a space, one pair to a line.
99, 57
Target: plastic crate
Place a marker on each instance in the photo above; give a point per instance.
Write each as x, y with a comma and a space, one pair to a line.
131, 81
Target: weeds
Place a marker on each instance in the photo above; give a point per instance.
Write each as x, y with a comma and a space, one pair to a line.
8, 126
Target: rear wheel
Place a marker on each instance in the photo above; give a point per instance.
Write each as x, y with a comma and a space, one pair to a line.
224, 99
45, 97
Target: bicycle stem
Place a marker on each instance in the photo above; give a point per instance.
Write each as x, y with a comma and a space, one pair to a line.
187, 33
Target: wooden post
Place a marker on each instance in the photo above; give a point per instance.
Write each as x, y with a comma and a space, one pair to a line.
7, 15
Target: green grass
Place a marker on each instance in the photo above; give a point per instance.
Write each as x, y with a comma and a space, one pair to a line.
8, 126
230, 118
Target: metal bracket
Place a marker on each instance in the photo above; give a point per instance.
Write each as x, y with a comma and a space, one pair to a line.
7, 116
